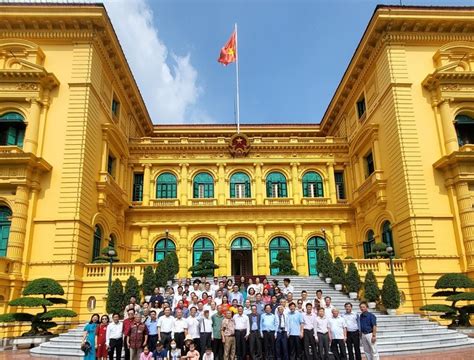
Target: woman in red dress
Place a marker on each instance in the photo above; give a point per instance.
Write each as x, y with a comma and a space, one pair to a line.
100, 332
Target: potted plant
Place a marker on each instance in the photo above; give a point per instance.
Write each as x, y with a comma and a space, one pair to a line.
328, 266
283, 264
390, 295
319, 260
352, 281
339, 274
371, 289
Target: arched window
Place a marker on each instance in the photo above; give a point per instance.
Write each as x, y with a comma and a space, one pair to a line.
163, 247
203, 186
241, 243
166, 186
240, 185
315, 244
464, 125
276, 245
368, 243
97, 242
312, 185
5, 223
276, 185
12, 129
201, 246
387, 234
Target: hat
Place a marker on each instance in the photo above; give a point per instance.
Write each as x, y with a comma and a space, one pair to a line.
188, 338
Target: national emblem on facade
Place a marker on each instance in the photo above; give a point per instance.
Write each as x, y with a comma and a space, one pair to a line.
239, 145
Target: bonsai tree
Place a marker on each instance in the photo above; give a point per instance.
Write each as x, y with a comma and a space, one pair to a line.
390, 293
459, 315
115, 297
338, 276
283, 264
131, 289
352, 282
371, 288
205, 265
379, 251
40, 322
173, 265
161, 273
103, 258
149, 281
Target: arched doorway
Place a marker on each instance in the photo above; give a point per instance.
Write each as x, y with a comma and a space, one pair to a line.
241, 257
315, 244
276, 245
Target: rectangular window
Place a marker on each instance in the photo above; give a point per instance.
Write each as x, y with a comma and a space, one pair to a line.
369, 164
361, 108
115, 107
111, 165
137, 187
340, 190
240, 191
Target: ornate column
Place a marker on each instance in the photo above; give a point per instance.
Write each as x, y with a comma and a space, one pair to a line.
105, 154
355, 167
32, 130
466, 214
449, 132
376, 152
145, 252
223, 250
16, 241
221, 184
258, 184
183, 183
336, 233
332, 183
184, 259
146, 184
300, 258
262, 253
296, 188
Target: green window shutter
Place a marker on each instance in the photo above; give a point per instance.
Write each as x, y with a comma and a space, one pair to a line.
232, 190
11, 135
247, 189
282, 190
4, 234
269, 189
319, 189
305, 189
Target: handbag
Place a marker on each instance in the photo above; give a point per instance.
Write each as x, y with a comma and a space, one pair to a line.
86, 347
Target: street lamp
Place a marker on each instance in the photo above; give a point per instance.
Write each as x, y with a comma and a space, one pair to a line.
111, 253
390, 256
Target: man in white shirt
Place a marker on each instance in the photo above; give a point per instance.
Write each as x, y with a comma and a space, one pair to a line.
323, 336
180, 329
258, 286
215, 286
327, 307
309, 335
205, 330
287, 287
193, 327
353, 333
213, 309
113, 337
337, 335
175, 288
196, 289
304, 299
165, 327
218, 297
242, 331
177, 297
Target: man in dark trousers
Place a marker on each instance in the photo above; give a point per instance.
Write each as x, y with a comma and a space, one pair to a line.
267, 331
242, 329
353, 333
255, 344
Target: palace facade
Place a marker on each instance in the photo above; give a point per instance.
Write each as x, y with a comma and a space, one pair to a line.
82, 166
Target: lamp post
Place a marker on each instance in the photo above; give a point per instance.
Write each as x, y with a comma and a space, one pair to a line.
390, 256
111, 253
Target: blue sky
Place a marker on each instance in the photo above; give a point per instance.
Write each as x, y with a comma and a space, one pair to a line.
293, 54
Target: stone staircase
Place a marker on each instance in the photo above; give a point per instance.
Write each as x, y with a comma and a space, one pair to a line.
397, 334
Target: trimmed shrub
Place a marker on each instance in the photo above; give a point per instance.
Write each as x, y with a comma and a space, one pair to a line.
173, 265
352, 278
115, 298
131, 289
390, 293
319, 256
205, 265
371, 288
338, 273
283, 264
140, 260
149, 281
161, 273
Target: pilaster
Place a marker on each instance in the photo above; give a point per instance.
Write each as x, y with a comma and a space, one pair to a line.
262, 253
300, 255
16, 241
336, 231
32, 130
449, 132
183, 183
221, 184
184, 259
144, 246
146, 185
332, 183
258, 184
223, 250
295, 184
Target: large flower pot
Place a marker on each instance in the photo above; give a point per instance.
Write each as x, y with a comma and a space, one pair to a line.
372, 305
338, 287
353, 295
321, 275
392, 311
328, 280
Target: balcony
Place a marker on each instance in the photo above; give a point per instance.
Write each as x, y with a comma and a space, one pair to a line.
109, 191
373, 184
202, 202
100, 272
279, 201
164, 202
16, 166
241, 202
315, 201
380, 267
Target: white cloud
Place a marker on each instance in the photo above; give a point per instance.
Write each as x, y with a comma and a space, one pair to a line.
168, 82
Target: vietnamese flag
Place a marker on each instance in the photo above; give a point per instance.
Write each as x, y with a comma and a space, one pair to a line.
229, 51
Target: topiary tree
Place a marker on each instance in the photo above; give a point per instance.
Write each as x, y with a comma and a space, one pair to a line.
173, 265
339, 274
371, 288
149, 281
205, 265
459, 315
352, 278
103, 258
379, 251
328, 265
40, 322
161, 273
283, 264
115, 298
319, 257
390, 293
131, 289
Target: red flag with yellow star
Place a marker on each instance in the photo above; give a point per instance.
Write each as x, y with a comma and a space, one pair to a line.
229, 51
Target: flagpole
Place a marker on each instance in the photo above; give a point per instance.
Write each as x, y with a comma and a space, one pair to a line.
237, 112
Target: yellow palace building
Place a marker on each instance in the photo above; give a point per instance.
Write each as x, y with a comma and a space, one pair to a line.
83, 166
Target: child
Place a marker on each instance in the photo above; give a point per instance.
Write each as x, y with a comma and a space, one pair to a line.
174, 353
208, 355
146, 354
192, 354
159, 353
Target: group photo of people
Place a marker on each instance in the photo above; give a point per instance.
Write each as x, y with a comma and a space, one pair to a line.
251, 318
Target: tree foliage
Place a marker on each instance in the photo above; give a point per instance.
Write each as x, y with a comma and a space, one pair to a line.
43, 286
205, 265
454, 281
161, 273
173, 265
131, 289
371, 287
352, 278
390, 293
327, 265
283, 264
319, 256
339, 274
115, 298
149, 281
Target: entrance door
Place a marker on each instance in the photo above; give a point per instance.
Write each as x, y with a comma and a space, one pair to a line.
242, 262
315, 244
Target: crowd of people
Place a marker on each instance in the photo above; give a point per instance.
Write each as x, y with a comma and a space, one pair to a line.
233, 320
